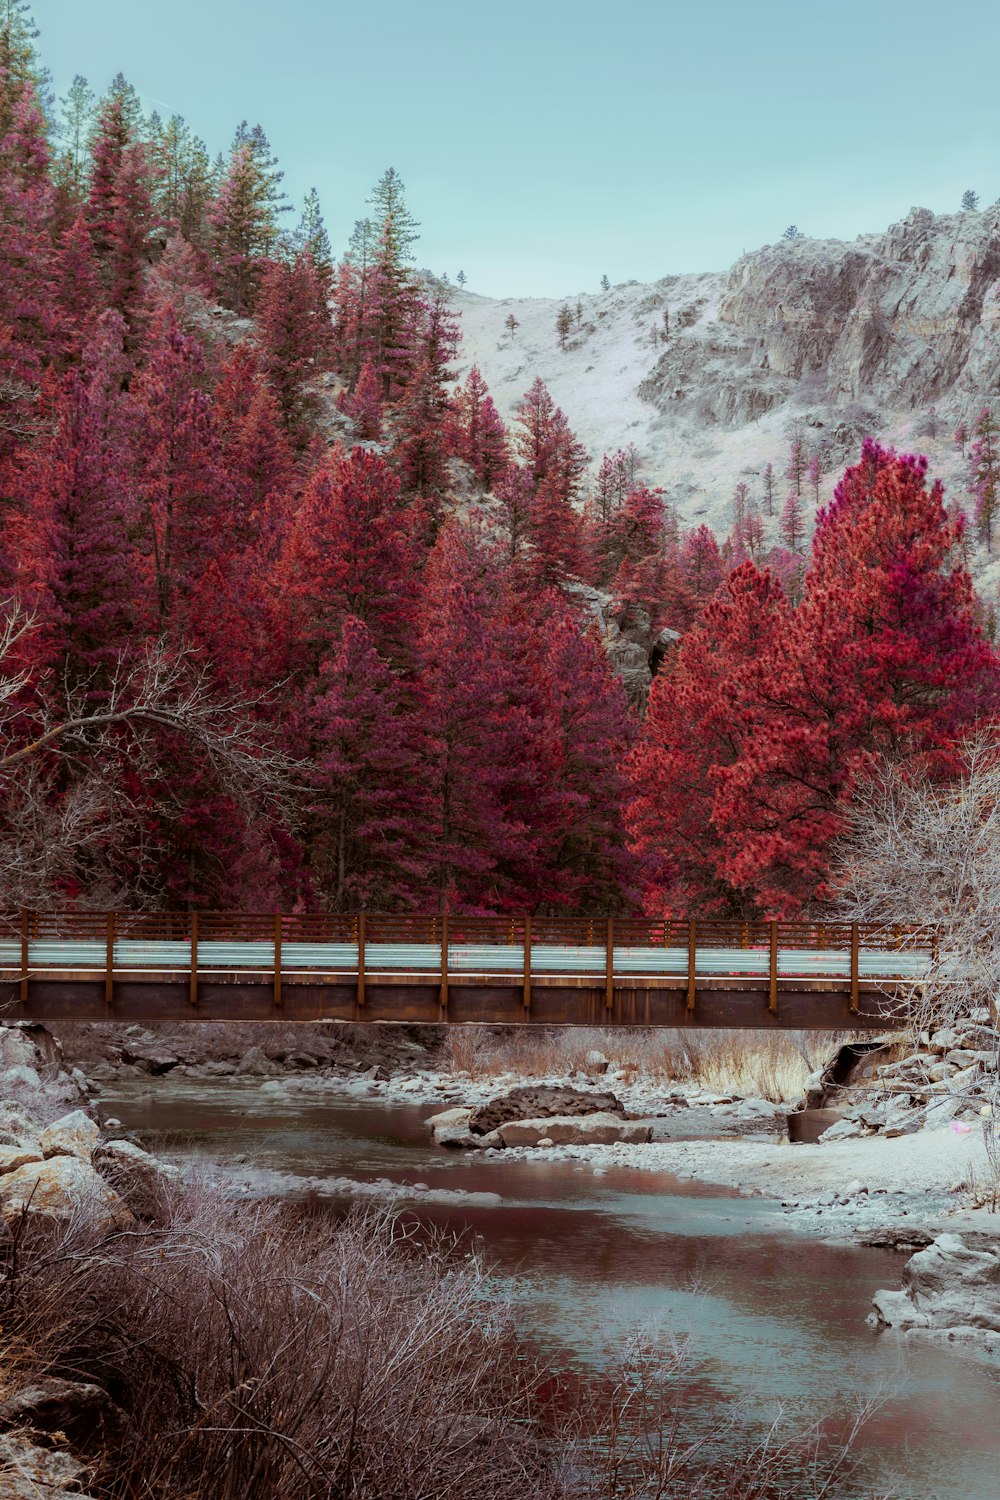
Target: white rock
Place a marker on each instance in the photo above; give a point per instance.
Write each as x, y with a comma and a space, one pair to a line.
59, 1188
841, 1130
12, 1157
20, 1074
72, 1135
576, 1130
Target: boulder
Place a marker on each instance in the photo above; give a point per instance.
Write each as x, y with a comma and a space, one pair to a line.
841, 1130
83, 1411
540, 1101
947, 1285
16, 1049
28, 1472
138, 1178
256, 1064
19, 1075
576, 1130
149, 1058
18, 1121
12, 1157
596, 1062
75, 1134
60, 1188
451, 1128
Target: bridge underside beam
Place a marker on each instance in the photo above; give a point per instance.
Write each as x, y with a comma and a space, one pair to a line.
820, 1005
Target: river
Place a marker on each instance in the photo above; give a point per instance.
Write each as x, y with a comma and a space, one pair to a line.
773, 1319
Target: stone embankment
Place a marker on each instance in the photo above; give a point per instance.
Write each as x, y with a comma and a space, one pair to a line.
56, 1164
948, 1081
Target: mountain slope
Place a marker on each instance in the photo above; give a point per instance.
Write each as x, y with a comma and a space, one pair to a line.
824, 340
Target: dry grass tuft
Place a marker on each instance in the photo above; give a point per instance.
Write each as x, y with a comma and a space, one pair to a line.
762, 1064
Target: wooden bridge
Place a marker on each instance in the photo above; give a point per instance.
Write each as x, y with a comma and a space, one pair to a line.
609, 971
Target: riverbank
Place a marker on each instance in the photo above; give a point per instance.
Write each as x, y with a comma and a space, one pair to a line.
128, 1304
875, 1188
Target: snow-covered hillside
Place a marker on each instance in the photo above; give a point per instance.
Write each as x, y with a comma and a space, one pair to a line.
823, 340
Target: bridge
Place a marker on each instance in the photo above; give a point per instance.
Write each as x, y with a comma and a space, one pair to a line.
523, 970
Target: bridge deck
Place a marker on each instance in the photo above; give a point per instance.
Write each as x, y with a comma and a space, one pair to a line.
621, 971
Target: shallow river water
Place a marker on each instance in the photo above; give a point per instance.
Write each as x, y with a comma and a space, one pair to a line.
772, 1318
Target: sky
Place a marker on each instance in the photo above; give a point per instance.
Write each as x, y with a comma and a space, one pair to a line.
545, 143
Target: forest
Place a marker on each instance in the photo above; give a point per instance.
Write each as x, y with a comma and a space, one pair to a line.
293, 620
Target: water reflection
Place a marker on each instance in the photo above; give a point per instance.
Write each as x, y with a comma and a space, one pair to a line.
772, 1319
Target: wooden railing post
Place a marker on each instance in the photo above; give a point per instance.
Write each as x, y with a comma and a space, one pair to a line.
609, 966
443, 994
193, 989
855, 945
277, 959
692, 961
772, 999
109, 961
25, 937
361, 960
526, 996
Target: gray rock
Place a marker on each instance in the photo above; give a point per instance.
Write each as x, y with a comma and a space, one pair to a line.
576, 1130
28, 1472
83, 1411
12, 1157
842, 1130
137, 1177
540, 1101
20, 1075
255, 1064
75, 1134
947, 1285
61, 1188
149, 1058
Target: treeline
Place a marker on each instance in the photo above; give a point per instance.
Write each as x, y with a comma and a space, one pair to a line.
222, 448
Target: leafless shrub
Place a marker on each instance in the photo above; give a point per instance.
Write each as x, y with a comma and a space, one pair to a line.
263, 1351
918, 851
71, 758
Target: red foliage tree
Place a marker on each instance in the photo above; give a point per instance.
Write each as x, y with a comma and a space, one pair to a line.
367, 833
350, 550
478, 436
294, 333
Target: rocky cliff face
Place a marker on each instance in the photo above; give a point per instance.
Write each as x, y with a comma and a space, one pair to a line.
909, 317
710, 376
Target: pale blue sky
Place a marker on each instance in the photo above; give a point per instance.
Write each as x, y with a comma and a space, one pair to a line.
543, 143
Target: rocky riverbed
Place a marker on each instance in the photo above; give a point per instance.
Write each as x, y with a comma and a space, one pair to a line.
879, 1176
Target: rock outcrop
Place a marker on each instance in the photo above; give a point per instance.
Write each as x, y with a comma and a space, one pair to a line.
540, 1102
948, 1286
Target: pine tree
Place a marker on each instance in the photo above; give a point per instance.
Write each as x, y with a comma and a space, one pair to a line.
78, 568
351, 549
244, 218
295, 335
476, 728
461, 278
182, 488
364, 407
798, 464
311, 235
792, 525
20, 65
546, 444
75, 131
814, 474
511, 324
605, 283
769, 488
984, 474
564, 324
477, 434
366, 772
970, 200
